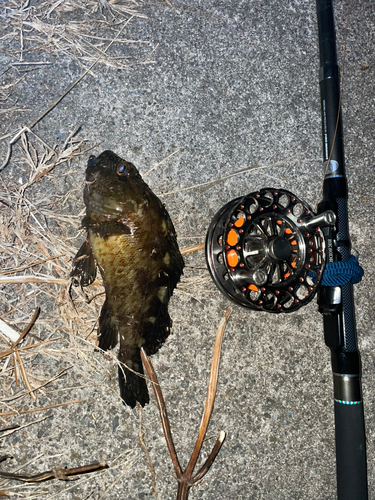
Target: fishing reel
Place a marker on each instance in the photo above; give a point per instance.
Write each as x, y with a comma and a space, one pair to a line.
266, 250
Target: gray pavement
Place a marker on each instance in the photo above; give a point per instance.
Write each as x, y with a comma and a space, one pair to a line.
227, 85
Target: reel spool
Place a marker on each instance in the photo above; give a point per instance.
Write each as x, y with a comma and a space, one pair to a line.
266, 251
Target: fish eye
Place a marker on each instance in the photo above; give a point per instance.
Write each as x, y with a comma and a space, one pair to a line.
122, 169
92, 161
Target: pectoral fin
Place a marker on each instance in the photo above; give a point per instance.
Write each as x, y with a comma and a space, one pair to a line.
84, 266
107, 228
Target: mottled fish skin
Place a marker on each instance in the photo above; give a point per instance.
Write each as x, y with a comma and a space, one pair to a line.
131, 238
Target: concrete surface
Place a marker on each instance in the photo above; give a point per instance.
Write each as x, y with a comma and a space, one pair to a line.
233, 84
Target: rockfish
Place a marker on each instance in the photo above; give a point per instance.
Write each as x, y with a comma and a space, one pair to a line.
131, 238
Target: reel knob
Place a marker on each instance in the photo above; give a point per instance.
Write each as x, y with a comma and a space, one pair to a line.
266, 251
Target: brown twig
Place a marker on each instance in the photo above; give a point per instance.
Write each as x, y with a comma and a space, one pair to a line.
14, 351
28, 328
15, 369
211, 457
210, 184
5, 353
148, 458
19, 427
160, 162
8, 331
163, 412
56, 473
24, 375
211, 392
31, 265
9, 427
193, 248
33, 279
34, 410
186, 479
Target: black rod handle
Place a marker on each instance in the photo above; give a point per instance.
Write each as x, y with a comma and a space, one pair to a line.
350, 451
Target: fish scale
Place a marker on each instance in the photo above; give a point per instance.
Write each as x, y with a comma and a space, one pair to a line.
131, 238
116, 266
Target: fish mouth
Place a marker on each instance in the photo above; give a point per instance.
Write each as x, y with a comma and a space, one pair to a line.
92, 172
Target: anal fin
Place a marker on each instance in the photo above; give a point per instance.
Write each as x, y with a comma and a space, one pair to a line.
108, 329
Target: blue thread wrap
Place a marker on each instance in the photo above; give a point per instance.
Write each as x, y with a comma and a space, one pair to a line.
342, 272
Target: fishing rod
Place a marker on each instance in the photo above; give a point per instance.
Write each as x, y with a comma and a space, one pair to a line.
268, 251
336, 303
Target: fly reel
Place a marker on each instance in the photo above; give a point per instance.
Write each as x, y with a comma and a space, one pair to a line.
266, 250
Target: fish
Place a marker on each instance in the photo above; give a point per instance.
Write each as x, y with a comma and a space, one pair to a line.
132, 240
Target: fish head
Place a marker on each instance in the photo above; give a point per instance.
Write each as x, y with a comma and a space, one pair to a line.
110, 167
114, 187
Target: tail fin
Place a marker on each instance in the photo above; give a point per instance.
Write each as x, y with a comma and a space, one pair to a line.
134, 387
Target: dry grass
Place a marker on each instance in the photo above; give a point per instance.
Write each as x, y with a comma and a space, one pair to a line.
35, 265
78, 29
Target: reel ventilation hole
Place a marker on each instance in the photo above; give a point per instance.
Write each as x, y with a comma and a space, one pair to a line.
266, 250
